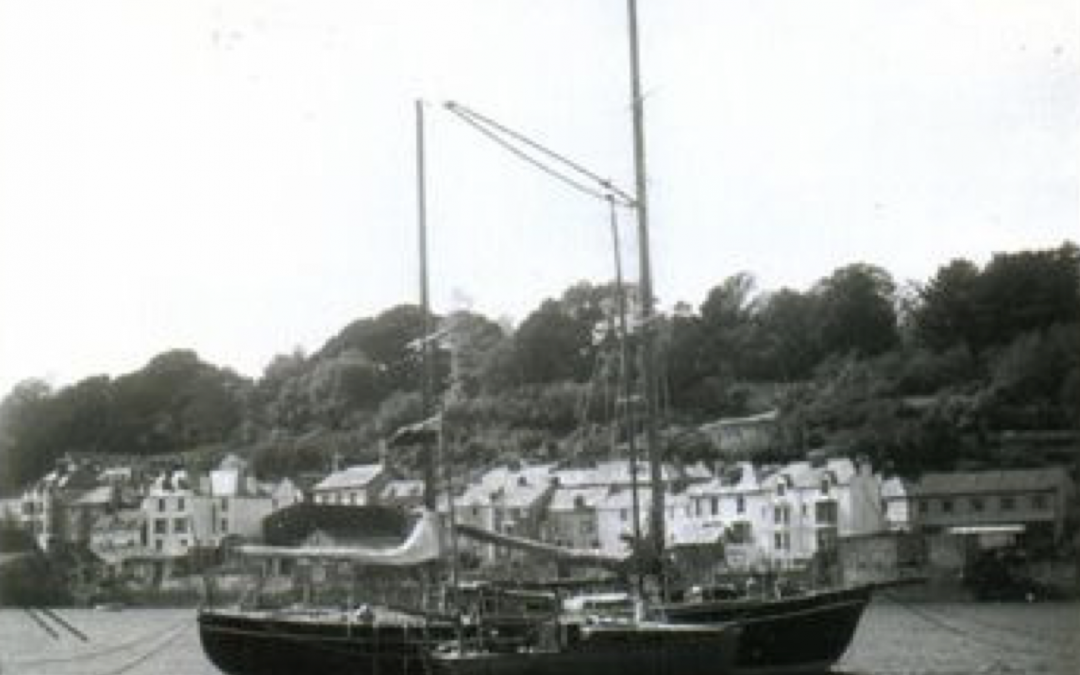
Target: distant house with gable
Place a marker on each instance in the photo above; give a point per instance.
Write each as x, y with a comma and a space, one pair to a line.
1028, 503
356, 485
507, 500
573, 517
405, 494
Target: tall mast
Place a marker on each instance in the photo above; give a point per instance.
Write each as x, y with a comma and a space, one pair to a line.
625, 391
425, 311
648, 348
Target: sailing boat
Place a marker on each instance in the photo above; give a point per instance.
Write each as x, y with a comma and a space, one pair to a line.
807, 633
627, 646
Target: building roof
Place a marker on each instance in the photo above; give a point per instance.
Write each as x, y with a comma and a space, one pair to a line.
352, 477
612, 472
624, 499
741, 479
507, 487
170, 482
99, 496
975, 482
572, 499
403, 489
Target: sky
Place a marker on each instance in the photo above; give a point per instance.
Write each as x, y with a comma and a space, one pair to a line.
237, 177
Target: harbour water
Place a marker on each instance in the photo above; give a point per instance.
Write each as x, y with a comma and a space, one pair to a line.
893, 639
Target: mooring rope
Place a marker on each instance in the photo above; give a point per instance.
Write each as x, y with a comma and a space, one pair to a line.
67, 626
98, 653
971, 636
145, 657
41, 623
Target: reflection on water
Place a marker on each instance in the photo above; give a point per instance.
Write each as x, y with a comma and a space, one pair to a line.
893, 638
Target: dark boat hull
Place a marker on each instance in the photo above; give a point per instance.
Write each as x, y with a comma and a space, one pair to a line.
249, 644
620, 652
801, 634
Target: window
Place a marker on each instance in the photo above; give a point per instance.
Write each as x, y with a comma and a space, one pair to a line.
1008, 503
161, 526
622, 515
180, 525
1038, 502
924, 506
824, 486
976, 504
224, 505
715, 505
825, 512
161, 504
697, 507
740, 532
180, 504
778, 541
946, 506
224, 525
740, 504
780, 489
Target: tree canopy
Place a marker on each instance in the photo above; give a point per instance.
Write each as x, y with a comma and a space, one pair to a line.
976, 349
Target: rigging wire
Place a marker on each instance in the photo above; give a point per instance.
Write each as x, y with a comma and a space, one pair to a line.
510, 140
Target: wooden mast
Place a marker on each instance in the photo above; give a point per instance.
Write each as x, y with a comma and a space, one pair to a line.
648, 347
429, 458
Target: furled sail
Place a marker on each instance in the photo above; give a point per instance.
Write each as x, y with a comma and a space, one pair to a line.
560, 553
423, 545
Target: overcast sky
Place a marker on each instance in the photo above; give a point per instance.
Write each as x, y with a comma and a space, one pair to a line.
237, 176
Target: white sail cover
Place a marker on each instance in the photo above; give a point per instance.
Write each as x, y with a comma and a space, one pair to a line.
423, 545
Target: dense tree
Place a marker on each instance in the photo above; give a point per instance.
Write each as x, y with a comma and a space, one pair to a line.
552, 345
857, 314
784, 341
946, 314
1030, 290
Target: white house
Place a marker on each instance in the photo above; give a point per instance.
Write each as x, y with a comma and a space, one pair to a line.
782, 518
897, 504
737, 503
572, 518
814, 505
358, 485
177, 518
615, 518
506, 500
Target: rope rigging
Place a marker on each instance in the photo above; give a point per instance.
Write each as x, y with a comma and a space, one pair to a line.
511, 141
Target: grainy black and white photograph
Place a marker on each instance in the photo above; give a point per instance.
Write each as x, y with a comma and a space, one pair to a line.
537, 337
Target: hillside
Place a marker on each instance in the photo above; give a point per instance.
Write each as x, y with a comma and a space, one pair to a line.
918, 376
